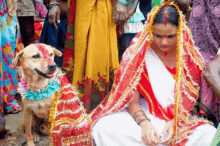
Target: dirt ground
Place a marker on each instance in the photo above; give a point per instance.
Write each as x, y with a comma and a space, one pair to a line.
18, 138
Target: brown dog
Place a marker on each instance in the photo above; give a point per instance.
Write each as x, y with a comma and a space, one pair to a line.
38, 69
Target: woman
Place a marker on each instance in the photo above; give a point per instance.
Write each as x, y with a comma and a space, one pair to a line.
8, 76
164, 67
204, 23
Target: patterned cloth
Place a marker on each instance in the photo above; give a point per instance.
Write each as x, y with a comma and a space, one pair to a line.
41, 10
204, 23
26, 8
8, 76
134, 24
69, 123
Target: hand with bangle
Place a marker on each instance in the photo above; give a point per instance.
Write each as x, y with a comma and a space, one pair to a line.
139, 116
120, 12
54, 13
148, 130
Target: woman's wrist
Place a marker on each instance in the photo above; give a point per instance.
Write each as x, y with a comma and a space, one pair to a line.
139, 116
145, 124
54, 4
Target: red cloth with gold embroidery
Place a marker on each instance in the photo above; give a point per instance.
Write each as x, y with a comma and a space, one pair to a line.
69, 122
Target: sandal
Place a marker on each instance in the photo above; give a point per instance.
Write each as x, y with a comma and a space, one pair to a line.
14, 111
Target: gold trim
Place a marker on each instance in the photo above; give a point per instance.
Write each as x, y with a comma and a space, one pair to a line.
68, 120
148, 96
52, 113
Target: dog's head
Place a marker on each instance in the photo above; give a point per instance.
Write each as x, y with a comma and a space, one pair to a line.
37, 58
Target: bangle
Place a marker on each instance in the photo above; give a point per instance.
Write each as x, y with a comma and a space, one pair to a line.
139, 114
142, 119
53, 5
122, 1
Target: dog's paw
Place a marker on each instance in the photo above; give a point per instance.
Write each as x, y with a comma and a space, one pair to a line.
36, 137
44, 129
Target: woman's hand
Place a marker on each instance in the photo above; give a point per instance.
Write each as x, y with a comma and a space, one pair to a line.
54, 15
170, 129
38, 19
148, 133
120, 13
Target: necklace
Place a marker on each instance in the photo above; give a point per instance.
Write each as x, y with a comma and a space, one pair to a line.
39, 94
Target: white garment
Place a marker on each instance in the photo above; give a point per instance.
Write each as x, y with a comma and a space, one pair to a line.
132, 27
162, 82
120, 129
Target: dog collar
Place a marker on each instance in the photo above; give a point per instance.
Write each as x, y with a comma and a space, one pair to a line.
39, 94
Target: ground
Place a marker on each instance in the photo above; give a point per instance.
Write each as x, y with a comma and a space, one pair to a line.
18, 138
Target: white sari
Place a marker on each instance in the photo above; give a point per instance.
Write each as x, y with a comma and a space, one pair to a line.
120, 129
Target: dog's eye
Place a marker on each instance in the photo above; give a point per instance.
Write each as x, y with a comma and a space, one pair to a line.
36, 56
51, 54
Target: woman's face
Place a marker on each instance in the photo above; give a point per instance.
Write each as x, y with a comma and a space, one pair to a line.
165, 36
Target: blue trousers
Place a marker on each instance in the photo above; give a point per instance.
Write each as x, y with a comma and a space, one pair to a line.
54, 37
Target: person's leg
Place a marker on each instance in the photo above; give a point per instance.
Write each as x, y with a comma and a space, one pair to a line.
27, 30
2, 127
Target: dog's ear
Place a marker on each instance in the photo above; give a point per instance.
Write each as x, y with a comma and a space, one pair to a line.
57, 52
16, 59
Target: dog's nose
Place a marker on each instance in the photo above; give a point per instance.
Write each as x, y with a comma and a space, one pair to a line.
52, 67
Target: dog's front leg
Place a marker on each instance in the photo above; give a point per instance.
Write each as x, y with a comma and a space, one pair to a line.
28, 117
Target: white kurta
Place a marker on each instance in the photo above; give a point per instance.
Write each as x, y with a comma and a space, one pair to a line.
120, 129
